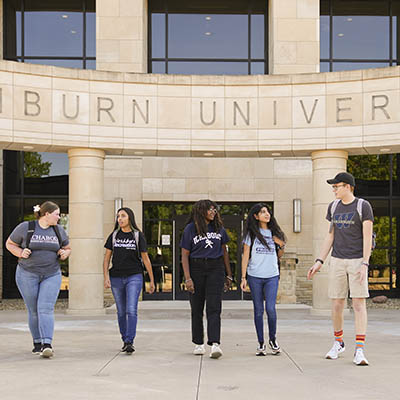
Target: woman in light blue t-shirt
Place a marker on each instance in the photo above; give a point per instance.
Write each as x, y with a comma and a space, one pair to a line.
263, 246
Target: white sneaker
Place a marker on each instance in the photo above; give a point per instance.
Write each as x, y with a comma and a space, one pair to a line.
261, 350
216, 351
359, 358
336, 349
199, 350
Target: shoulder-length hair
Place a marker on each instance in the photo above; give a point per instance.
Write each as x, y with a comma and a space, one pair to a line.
131, 217
252, 227
198, 217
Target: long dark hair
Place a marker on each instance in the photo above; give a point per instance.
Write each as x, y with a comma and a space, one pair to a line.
131, 217
252, 227
198, 217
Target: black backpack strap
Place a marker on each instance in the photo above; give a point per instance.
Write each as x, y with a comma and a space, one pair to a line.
58, 234
31, 230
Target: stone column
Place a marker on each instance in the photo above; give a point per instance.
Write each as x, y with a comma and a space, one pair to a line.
86, 197
326, 164
293, 36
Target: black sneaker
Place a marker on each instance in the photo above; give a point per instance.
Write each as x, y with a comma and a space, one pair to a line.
129, 348
46, 351
37, 347
274, 346
124, 347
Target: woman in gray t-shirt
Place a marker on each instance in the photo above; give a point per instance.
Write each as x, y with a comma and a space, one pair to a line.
38, 245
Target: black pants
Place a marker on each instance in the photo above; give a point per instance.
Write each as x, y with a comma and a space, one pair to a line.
208, 279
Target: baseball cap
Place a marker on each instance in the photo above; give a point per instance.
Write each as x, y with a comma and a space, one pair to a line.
344, 177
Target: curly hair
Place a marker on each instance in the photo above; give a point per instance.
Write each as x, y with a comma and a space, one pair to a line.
198, 217
252, 227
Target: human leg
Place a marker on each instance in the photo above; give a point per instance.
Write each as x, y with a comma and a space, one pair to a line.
270, 293
197, 301
256, 288
49, 289
28, 286
133, 288
119, 293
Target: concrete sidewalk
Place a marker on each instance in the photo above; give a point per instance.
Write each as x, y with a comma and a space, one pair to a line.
88, 365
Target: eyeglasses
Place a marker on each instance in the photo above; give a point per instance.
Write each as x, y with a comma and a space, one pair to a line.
336, 187
214, 210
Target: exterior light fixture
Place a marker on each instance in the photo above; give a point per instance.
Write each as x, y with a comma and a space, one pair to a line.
208, 18
208, 154
276, 154
296, 215
27, 147
64, 16
118, 203
340, 34
385, 150
208, 33
73, 32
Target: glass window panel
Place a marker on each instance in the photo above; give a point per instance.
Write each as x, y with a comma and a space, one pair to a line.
347, 66
208, 68
257, 68
353, 37
66, 28
59, 163
324, 66
90, 64
207, 36
394, 36
158, 67
19, 32
257, 36
13, 166
158, 35
58, 63
324, 36
90, 34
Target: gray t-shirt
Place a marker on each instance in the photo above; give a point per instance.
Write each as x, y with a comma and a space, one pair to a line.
348, 232
44, 245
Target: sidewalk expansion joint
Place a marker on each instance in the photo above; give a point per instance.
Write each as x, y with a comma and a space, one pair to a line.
98, 373
199, 378
293, 361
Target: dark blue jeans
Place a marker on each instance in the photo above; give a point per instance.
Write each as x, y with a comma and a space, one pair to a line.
40, 294
264, 288
126, 291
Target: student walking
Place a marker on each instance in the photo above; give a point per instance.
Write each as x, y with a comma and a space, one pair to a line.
205, 260
263, 245
38, 245
128, 248
350, 237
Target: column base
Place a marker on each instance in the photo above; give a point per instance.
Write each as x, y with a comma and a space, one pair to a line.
86, 313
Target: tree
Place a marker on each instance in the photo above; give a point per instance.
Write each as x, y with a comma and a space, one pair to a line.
34, 167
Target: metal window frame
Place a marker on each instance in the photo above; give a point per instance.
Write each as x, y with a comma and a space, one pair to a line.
167, 59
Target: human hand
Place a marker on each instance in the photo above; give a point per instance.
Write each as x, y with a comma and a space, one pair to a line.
107, 283
63, 254
362, 273
25, 253
189, 285
243, 284
313, 270
227, 284
152, 287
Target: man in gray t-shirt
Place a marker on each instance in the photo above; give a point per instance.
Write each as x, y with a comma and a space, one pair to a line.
350, 238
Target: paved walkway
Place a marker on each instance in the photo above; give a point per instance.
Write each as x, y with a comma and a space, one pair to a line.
88, 365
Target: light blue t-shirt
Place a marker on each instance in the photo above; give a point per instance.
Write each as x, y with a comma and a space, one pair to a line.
263, 262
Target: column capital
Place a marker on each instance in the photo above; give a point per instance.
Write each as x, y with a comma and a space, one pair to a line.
315, 155
86, 152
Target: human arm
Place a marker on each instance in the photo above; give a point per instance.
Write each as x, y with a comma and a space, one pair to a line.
64, 252
149, 269
16, 250
106, 265
228, 271
186, 271
245, 263
367, 245
324, 251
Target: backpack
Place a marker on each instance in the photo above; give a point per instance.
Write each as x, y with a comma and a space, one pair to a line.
359, 211
31, 231
136, 237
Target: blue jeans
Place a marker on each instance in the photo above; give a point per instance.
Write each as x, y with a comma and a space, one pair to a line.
264, 288
126, 291
40, 294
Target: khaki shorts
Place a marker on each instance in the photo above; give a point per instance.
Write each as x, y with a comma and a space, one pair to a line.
343, 275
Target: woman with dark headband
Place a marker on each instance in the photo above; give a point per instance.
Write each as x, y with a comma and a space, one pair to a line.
205, 260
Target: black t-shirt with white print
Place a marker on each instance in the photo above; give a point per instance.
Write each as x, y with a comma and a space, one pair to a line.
125, 258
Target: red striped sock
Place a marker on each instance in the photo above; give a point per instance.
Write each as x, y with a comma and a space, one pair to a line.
339, 336
360, 341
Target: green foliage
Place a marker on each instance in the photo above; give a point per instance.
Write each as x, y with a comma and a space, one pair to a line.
34, 167
371, 167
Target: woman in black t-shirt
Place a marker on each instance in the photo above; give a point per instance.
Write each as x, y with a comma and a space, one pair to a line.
204, 259
125, 277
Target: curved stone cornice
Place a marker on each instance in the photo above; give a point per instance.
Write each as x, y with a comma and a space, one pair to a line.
44, 108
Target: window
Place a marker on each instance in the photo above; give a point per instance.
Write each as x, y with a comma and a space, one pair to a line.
60, 33
208, 37
358, 34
